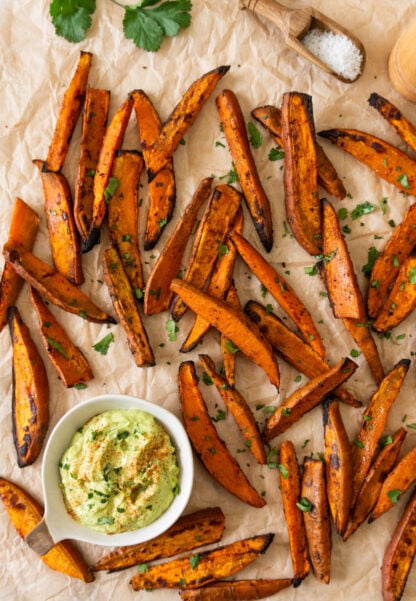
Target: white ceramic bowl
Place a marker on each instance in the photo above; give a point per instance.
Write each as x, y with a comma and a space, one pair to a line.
57, 524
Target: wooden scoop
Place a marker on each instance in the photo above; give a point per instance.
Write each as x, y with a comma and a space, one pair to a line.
295, 24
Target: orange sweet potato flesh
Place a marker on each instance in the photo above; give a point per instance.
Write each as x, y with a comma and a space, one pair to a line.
25, 513
233, 324
158, 295
405, 128
24, 227
302, 203
190, 531
211, 450
360, 331
68, 360
30, 398
228, 350
208, 566
237, 590
235, 131
69, 113
399, 555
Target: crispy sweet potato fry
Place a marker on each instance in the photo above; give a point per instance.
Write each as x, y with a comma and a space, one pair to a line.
400, 553
257, 202
189, 532
237, 590
158, 295
194, 571
228, 350
69, 113
23, 230
30, 398
180, 120
205, 440
125, 306
234, 324
25, 513
68, 360
402, 125
360, 331
239, 409
307, 397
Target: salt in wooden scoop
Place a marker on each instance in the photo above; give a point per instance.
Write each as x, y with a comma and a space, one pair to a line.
295, 24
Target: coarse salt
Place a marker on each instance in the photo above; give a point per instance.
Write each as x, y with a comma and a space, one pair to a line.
335, 50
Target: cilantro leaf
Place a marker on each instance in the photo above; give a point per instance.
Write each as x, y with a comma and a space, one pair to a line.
72, 18
102, 345
255, 136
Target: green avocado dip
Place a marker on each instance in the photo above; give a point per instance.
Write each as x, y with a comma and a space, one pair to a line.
119, 472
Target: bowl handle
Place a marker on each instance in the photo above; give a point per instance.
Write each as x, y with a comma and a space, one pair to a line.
39, 538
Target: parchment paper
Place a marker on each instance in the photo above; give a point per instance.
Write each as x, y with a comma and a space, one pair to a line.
36, 67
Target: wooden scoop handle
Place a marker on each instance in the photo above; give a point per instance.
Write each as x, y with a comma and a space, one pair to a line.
294, 23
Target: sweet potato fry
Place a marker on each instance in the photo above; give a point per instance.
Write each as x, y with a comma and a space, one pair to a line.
400, 553
214, 226
63, 234
239, 409
387, 161
302, 203
25, 513
205, 440
237, 590
228, 350
23, 230
180, 120
94, 123
360, 331
306, 398
271, 118
402, 125
281, 291
257, 202
234, 324
193, 571
338, 465
290, 488
52, 285
68, 360
189, 532
69, 113
158, 295
125, 306
374, 421
30, 397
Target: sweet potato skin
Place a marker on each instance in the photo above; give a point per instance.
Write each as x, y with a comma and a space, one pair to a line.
236, 590
402, 125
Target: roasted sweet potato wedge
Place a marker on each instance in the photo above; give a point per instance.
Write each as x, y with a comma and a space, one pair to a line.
180, 120
234, 324
405, 128
228, 350
189, 532
25, 513
235, 131
158, 295
193, 571
307, 397
23, 230
126, 309
237, 590
30, 398
360, 331
69, 113
205, 440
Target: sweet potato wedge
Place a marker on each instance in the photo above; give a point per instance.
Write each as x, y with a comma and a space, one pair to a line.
69, 113
237, 590
24, 227
306, 398
52, 285
281, 291
303, 209
30, 397
68, 360
360, 331
158, 295
405, 128
189, 532
290, 488
180, 120
317, 524
234, 324
228, 350
94, 123
374, 421
193, 571
126, 309
387, 161
399, 555
235, 131
25, 513
239, 409
63, 234
211, 450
